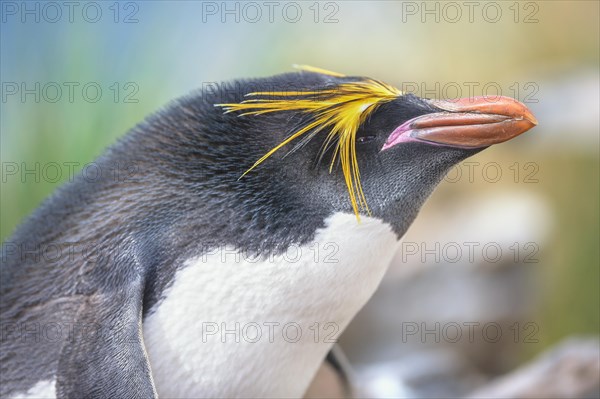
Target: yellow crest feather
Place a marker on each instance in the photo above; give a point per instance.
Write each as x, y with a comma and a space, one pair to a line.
341, 108
309, 68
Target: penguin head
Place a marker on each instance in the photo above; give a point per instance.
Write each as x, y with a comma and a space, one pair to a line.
317, 142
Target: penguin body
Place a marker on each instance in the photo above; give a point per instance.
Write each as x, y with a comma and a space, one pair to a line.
151, 263
266, 325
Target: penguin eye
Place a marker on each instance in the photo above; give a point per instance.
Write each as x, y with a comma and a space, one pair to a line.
365, 139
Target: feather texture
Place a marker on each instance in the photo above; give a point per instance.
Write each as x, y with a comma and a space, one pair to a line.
340, 109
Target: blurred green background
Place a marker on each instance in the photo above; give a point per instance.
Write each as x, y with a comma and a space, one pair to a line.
545, 53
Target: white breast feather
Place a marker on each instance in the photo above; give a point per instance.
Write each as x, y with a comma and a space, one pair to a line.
326, 282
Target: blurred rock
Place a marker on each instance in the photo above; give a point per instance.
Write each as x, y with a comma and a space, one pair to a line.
429, 374
569, 370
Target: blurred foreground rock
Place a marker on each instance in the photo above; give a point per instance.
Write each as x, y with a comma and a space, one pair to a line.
569, 370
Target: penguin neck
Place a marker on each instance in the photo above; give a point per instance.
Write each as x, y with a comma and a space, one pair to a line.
232, 326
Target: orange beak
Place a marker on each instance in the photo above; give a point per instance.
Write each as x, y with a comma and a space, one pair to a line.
467, 123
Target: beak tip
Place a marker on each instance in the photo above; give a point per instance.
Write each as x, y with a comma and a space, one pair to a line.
529, 116
533, 121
